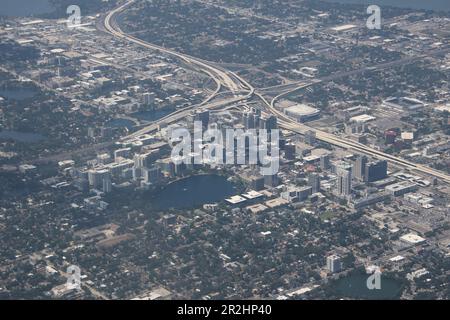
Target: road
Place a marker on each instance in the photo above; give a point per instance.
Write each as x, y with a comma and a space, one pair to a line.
287, 123
221, 76
242, 90
228, 78
291, 87
238, 86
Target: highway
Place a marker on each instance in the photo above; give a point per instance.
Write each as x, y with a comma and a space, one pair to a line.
237, 85
287, 123
221, 76
385, 65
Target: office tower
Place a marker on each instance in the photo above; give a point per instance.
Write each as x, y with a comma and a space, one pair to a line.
271, 123
81, 174
314, 182
104, 158
146, 159
96, 177
179, 168
81, 184
202, 116
257, 183
151, 175
344, 180
271, 180
127, 174
359, 168
310, 137
289, 151
282, 143
107, 185
325, 162
249, 120
262, 123
334, 263
166, 166
139, 161
121, 153
137, 173
304, 193
257, 120
148, 98
375, 171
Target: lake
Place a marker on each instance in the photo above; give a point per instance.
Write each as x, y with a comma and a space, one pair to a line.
23, 8
355, 286
26, 137
193, 191
437, 5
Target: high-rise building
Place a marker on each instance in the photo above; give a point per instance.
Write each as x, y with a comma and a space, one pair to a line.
151, 175
375, 171
179, 168
304, 193
325, 162
203, 116
146, 159
289, 151
137, 173
148, 98
344, 180
104, 158
314, 182
96, 177
359, 168
271, 180
249, 120
107, 185
81, 184
295, 194
310, 137
334, 263
271, 123
166, 166
121, 153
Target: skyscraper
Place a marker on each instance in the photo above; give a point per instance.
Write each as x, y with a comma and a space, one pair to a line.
310, 137
107, 185
249, 120
271, 180
203, 116
96, 177
148, 98
334, 263
344, 180
325, 162
359, 168
289, 151
151, 175
314, 182
375, 171
271, 123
